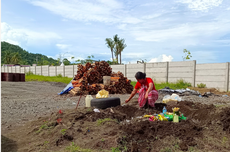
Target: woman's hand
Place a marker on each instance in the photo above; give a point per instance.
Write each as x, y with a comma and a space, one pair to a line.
146, 95
126, 101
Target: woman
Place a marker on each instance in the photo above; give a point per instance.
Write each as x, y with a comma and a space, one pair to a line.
147, 91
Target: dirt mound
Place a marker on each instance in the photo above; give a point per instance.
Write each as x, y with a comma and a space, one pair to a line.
122, 129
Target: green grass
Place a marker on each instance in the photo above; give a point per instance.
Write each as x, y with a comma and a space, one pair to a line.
75, 148
59, 78
102, 121
180, 84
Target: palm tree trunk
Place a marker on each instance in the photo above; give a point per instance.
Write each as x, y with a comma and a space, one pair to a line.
112, 54
120, 57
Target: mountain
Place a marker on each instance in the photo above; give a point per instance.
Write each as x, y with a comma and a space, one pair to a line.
26, 58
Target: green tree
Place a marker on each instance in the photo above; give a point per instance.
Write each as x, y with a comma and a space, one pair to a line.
66, 61
110, 44
16, 58
121, 45
7, 57
187, 55
116, 51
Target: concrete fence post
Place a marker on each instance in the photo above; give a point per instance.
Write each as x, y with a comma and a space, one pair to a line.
35, 69
144, 66
226, 87
41, 69
167, 72
25, 70
55, 70
73, 70
125, 70
48, 70
63, 71
194, 74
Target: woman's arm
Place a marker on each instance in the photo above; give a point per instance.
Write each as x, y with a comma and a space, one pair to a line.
131, 96
150, 87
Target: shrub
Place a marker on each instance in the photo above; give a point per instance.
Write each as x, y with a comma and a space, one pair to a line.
201, 85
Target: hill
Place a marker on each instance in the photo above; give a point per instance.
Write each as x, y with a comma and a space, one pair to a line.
25, 58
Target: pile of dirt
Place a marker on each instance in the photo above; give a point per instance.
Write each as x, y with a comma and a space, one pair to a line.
122, 129
210, 90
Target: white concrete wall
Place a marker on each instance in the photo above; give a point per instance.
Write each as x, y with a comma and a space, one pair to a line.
31, 69
69, 71
157, 71
116, 68
213, 75
60, 70
181, 70
132, 69
52, 71
38, 70
45, 70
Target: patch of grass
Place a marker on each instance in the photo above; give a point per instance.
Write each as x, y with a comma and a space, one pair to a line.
166, 149
201, 85
115, 149
102, 121
63, 131
180, 84
75, 148
43, 127
59, 78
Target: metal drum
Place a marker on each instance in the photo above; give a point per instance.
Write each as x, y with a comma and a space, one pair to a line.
9, 77
22, 77
16, 77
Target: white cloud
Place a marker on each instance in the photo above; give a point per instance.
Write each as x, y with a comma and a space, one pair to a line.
25, 37
12, 36
162, 58
63, 46
101, 10
201, 5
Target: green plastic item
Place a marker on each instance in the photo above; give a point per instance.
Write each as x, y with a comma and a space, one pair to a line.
170, 117
182, 117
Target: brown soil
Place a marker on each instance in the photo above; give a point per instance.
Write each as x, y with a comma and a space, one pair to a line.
30, 112
211, 90
204, 125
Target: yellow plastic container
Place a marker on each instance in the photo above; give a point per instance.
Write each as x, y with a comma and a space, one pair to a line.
175, 118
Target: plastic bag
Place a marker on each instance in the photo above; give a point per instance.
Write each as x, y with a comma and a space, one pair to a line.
102, 94
173, 97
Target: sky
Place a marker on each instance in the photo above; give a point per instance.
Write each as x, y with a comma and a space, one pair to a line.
154, 30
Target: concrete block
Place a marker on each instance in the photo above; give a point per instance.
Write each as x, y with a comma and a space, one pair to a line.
155, 70
181, 75
156, 75
190, 80
181, 69
135, 66
211, 66
210, 78
211, 84
38, 70
156, 65
213, 72
181, 64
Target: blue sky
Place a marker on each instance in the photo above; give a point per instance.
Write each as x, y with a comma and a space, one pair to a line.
155, 31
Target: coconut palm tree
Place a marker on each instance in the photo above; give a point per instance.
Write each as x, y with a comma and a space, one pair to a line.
116, 40
110, 44
121, 45
16, 58
7, 57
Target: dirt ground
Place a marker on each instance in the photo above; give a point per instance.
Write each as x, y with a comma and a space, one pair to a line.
30, 113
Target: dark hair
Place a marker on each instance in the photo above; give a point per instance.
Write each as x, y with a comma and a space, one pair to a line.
140, 75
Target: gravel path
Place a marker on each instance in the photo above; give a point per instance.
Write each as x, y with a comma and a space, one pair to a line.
26, 101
